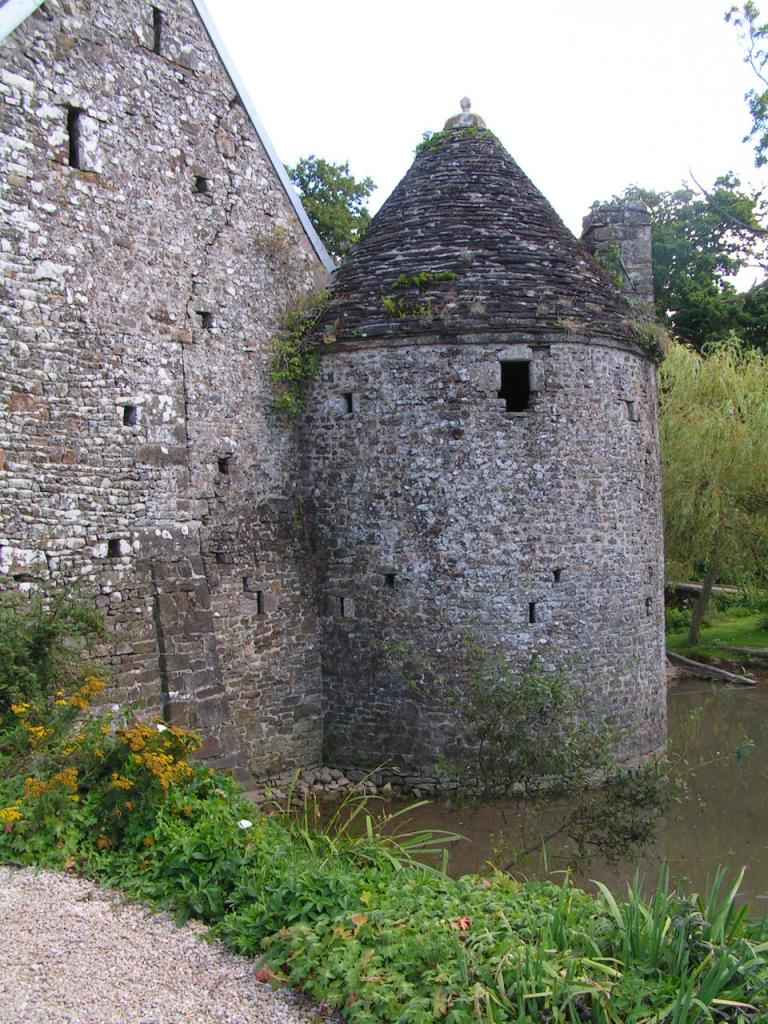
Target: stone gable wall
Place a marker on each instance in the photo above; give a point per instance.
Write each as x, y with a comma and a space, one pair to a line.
138, 447
439, 513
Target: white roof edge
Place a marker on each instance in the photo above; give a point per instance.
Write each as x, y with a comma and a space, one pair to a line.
13, 12
245, 99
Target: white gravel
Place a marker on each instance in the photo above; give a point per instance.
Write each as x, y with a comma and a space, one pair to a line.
71, 953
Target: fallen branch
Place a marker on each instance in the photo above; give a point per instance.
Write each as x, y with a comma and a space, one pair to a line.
750, 652
697, 668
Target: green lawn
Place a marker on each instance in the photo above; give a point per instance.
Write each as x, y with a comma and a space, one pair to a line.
729, 629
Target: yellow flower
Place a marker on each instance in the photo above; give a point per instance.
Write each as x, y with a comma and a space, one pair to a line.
19, 709
33, 787
9, 814
121, 782
74, 798
66, 777
37, 733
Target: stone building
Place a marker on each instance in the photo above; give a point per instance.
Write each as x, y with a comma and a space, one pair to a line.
150, 244
479, 449
483, 457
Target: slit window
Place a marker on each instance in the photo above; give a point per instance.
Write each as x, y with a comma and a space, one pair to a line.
532, 612
516, 385
157, 29
259, 602
389, 581
348, 402
558, 574
75, 136
223, 464
130, 415
648, 606
113, 548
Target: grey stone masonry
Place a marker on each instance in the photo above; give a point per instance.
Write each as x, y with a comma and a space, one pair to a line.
149, 252
619, 234
483, 457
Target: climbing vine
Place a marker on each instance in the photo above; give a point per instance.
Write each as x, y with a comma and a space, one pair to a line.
294, 358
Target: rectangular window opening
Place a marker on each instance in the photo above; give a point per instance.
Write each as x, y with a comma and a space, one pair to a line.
389, 581
130, 415
75, 135
632, 413
113, 548
648, 606
157, 29
349, 404
259, 602
558, 574
223, 464
532, 611
200, 185
206, 319
516, 385
222, 558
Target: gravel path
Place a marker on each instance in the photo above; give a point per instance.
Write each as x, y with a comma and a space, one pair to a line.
71, 953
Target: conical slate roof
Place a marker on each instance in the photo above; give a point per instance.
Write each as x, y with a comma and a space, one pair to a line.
467, 244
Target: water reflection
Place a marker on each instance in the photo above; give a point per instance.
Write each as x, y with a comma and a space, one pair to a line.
722, 820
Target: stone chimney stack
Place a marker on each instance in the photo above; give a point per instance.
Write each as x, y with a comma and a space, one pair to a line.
619, 234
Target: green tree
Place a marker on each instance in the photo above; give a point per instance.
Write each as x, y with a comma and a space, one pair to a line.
334, 201
714, 440
752, 36
699, 241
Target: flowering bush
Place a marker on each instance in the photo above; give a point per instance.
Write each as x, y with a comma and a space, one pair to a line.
73, 782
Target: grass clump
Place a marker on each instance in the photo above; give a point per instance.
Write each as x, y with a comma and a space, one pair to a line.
348, 913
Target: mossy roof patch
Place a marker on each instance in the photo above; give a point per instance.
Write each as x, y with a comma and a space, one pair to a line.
466, 206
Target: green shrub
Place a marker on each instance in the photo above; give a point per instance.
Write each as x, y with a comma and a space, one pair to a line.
676, 619
42, 646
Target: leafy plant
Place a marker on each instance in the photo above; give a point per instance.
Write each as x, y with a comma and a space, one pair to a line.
401, 307
431, 142
294, 358
43, 645
424, 278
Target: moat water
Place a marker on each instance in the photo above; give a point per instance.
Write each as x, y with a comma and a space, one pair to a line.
722, 819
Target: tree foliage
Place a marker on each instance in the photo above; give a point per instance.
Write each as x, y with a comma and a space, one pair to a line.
334, 201
714, 440
699, 241
753, 36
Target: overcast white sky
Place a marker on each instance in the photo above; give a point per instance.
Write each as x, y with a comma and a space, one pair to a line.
589, 96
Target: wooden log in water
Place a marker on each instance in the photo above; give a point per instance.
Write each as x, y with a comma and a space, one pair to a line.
698, 668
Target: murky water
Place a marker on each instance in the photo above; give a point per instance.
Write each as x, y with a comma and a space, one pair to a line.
723, 819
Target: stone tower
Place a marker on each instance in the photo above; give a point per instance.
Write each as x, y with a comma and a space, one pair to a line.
482, 454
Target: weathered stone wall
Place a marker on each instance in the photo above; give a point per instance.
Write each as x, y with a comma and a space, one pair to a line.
437, 512
619, 233
138, 449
